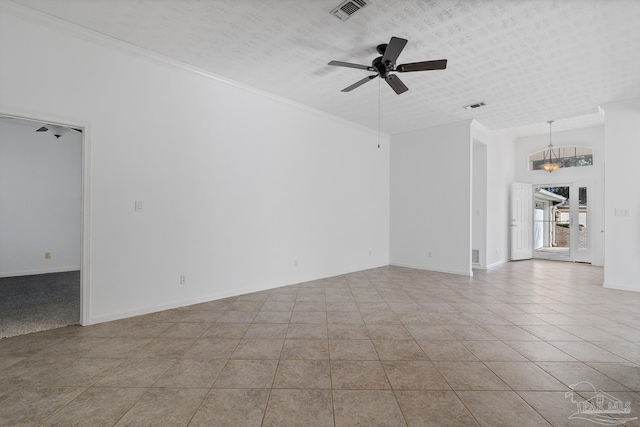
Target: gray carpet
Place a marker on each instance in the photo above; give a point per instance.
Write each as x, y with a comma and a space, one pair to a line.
39, 302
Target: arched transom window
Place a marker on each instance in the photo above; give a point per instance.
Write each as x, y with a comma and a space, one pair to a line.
569, 157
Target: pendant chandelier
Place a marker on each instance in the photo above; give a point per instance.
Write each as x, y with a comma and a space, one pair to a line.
550, 160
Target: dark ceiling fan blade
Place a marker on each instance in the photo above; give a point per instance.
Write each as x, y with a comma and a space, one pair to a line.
394, 48
42, 129
396, 84
358, 83
350, 65
440, 64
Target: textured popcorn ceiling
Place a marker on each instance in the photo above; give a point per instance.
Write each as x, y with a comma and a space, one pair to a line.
529, 60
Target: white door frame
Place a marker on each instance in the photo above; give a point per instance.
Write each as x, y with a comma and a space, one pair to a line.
85, 232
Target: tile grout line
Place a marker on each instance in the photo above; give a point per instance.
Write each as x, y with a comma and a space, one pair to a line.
275, 373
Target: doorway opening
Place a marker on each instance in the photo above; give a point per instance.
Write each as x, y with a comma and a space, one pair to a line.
561, 223
551, 223
43, 255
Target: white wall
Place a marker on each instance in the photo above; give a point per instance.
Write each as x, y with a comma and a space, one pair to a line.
622, 178
499, 177
40, 200
479, 202
236, 185
589, 137
431, 198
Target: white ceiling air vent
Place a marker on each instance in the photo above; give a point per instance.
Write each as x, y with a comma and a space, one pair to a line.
476, 105
347, 9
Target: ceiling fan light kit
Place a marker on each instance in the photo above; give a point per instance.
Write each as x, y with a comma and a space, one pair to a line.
550, 160
384, 65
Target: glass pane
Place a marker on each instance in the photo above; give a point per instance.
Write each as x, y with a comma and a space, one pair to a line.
573, 156
583, 231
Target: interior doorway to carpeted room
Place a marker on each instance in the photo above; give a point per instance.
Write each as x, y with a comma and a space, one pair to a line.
40, 225
39, 302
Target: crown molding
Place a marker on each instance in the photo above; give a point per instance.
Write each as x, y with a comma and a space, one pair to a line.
91, 36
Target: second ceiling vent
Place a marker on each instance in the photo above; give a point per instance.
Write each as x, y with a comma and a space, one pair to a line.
347, 9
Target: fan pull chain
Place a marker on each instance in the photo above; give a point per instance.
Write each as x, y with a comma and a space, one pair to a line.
379, 111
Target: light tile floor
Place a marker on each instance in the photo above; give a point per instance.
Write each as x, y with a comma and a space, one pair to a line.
389, 346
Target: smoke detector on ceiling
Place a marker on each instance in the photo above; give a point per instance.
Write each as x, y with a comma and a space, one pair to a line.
347, 9
476, 105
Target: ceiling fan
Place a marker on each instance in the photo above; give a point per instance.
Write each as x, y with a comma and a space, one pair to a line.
386, 63
57, 131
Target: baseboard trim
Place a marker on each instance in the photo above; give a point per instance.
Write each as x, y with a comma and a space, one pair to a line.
617, 287
153, 309
490, 266
438, 270
45, 271
497, 263
198, 300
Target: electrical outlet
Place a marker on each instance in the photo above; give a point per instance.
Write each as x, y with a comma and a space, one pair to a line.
295, 262
369, 252
429, 254
183, 279
138, 206
622, 212
47, 255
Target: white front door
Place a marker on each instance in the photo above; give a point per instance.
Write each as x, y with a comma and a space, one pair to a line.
521, 221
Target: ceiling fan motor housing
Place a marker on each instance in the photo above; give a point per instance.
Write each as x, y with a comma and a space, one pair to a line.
380, 67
